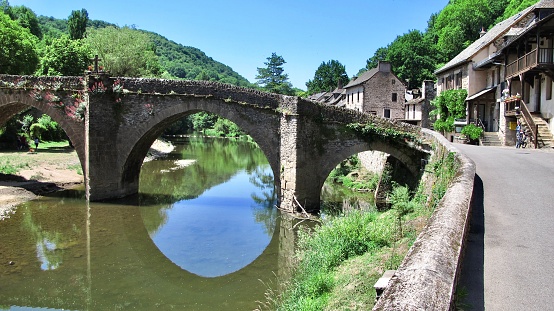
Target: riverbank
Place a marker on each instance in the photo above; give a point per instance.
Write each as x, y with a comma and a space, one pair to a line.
46, 171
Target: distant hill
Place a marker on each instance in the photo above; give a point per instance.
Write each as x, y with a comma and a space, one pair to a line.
179, 61
191, 63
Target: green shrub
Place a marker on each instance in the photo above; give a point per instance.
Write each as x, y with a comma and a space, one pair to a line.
472, 131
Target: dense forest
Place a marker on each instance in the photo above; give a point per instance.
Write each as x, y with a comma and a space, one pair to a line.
415, 55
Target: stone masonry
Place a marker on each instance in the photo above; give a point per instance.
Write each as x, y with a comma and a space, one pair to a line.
112, 122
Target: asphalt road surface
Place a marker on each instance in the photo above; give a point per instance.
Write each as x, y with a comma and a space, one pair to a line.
509, 260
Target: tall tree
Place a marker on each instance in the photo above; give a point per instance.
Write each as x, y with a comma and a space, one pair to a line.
460, 22
65, 57
27, 19
272, 77
379, 55
77, 24
125, 52
18, 48
412, 58
327, 77
513, 7
6, 8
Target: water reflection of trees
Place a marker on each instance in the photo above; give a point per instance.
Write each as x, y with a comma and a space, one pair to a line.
51, 233
336, 199
216, 161
266, 201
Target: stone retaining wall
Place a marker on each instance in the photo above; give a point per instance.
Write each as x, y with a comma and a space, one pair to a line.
426, 279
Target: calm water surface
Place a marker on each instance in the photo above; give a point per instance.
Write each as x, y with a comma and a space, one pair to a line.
203, 234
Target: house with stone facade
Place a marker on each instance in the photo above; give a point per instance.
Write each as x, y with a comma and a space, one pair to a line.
508, 73
377, 91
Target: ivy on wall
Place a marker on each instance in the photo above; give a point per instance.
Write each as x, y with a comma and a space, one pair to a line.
449, 106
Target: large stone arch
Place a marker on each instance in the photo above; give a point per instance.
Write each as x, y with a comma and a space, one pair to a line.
137, 128
179, 107
329, 143
15, 101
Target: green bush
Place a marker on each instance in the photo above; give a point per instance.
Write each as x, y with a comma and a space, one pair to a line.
37, 129
472, 131
449, 106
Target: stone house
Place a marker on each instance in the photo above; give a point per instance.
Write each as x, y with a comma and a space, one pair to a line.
508, 75
377, 91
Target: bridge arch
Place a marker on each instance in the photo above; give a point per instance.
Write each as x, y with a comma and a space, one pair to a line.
139, 129
15, 101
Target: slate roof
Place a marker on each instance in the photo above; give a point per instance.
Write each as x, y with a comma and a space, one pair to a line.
493, 34
363, 78
415, 101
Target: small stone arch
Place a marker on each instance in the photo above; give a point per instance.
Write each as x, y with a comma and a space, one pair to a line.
404, 156
17, 100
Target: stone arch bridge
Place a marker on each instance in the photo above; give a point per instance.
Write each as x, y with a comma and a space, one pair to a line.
112, 122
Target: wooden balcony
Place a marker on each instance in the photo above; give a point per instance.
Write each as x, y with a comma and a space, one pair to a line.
512, 107
536, 59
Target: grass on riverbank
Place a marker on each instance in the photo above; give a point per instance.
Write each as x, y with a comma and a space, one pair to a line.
338, 263
12, 163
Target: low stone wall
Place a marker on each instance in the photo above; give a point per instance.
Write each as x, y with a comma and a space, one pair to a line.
426, 279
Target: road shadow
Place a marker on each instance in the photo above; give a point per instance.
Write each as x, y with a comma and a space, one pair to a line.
471, 287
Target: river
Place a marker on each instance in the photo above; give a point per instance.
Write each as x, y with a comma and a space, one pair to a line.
203, 233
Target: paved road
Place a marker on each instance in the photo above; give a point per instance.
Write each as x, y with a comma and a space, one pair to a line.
509, 262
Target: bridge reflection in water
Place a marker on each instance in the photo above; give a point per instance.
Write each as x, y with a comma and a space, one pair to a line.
62, 254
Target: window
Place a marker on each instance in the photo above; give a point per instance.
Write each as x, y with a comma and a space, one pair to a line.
548, 88
458, 80
358, 95
394, 97
414, 111
386, 113
393, 81
408, 112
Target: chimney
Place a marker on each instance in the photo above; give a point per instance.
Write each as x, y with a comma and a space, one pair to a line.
482, 32
384, 66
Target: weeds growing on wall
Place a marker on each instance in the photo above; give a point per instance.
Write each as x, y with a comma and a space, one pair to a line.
369, 130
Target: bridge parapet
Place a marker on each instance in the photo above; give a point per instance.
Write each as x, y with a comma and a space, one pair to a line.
208, 89
427, 277
42, 83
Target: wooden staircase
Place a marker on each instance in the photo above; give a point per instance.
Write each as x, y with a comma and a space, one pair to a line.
490, 139
544, 137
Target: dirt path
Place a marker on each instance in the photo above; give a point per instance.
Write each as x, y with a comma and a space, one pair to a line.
47, 171
39, 173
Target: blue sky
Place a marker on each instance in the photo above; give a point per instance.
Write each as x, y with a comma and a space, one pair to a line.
242, 34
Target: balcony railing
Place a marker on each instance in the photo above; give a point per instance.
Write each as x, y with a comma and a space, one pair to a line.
530, 60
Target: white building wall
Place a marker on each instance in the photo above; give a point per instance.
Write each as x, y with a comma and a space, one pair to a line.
355, 98
547, 105
409, 112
